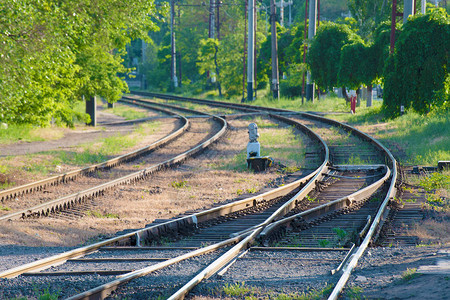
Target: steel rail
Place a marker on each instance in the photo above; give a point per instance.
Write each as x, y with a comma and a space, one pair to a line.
383, 210
39, 185
70, 200
104, 290
150, 232
173, 225
331, 206
254, 231
373, 230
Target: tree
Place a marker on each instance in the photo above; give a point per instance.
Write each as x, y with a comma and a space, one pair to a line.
369, 14
417, 73
54, 52
324, 53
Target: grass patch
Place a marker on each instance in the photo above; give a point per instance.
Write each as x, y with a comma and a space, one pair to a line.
179, 184
425, 139
28, 133
409, 274
354, 292
4, 208
46, 294
437, 187
282, 144
328, 104
86, 154
324, 243
126, 112
242, 291
236, 289
97, 214
311, 295
436, 181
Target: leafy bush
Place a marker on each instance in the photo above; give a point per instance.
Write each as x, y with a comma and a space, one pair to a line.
417, 74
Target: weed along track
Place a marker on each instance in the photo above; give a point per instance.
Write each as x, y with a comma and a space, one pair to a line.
307, 231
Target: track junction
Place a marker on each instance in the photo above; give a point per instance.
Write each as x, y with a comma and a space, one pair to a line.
329, 213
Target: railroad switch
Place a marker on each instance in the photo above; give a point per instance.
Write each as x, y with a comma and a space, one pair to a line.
254, 159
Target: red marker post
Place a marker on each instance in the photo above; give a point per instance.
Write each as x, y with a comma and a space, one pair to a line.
353, 104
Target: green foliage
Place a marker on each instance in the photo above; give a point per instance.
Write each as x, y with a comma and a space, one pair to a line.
236, 289
324, 243
325, 52
409, 274
127, 113
97, 214
53, 53
179, 184
417, 74
435, 181
5, 208
341, 233
354, 292
313, 294
356, 66
369, 14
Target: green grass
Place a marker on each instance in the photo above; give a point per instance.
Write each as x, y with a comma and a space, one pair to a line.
311, 295
46, 294
127, 112
241, 291
409, 274
282, 144
425, 139
4, 208
329, 104
179, 184
28, 133
436, 181
437, 187
97, 214
91, 153
354, 292
236, 289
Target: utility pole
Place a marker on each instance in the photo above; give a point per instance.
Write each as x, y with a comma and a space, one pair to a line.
423, 8
255, 21
408, 9
250, 50
282, 13
212, 20
245, 53
218, 19
304, 50
172, 42
275, 75
311, 34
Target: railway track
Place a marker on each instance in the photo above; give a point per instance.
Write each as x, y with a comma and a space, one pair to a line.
371, 228
331, 193
99, 178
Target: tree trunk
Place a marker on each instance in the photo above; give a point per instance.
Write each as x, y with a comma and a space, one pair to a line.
358, 97
369, 95
344, 94
219, 86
